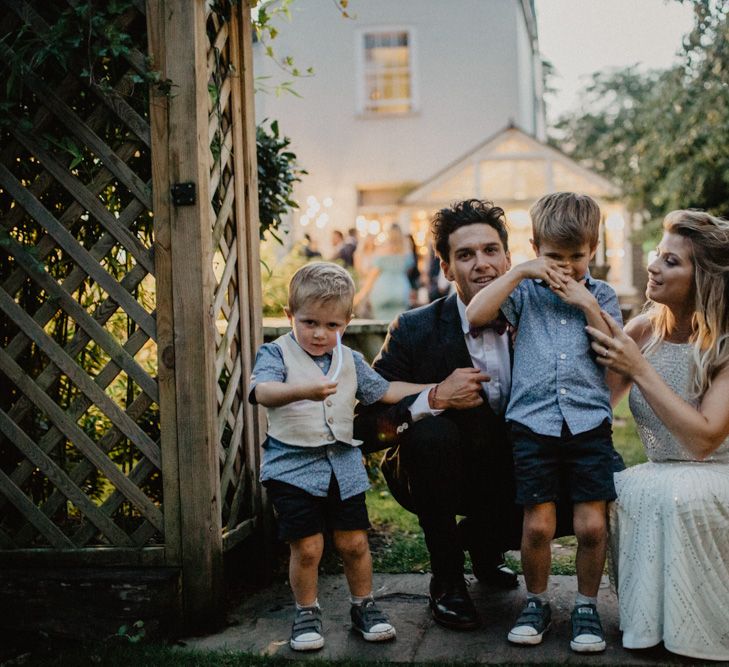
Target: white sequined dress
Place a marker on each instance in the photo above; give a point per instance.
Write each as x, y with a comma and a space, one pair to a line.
669, 534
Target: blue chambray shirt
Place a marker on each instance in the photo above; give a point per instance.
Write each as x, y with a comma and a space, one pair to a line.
311, 468
555, 376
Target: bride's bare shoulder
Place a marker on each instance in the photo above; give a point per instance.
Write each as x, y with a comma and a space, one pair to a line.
639, 329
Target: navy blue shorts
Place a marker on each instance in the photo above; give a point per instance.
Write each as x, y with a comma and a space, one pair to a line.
300, 514
581, 465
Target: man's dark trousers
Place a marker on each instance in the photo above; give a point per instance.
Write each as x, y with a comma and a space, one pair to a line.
457, 463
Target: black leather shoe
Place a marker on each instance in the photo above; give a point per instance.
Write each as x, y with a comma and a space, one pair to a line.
498, 576
451, 605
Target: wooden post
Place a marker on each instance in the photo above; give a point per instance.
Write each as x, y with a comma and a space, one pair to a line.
178, 46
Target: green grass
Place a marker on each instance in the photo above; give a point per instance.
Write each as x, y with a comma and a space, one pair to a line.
397, 542
112, 654
625, 435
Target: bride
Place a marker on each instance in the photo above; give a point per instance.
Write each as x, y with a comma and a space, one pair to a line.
670, 523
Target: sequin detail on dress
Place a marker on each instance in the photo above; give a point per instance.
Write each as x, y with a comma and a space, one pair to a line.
669, 534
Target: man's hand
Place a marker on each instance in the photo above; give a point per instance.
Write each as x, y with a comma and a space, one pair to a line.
460, 390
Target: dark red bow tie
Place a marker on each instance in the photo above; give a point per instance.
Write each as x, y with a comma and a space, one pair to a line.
498, 325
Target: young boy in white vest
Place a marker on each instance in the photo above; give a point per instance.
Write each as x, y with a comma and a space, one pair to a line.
312, 468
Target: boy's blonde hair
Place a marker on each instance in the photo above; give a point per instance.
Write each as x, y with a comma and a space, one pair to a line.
321, 281
565, 219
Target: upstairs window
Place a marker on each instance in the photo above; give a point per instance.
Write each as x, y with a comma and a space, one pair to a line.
387, 72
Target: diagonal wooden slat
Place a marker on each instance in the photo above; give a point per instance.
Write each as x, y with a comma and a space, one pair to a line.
110, 439
53, 437
222, 288
139, 474
226, 150
51, 373
230, 390
81, 379
82, 442
51, 470
82, 318
75, 125
133, 56
223, 96
79, 254
231, 453
70, 216
77, 190
223, 216
69, 86
222, 353
216, 49
124, 111
25, 506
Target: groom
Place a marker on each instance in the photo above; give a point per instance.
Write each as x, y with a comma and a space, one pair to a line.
447, 449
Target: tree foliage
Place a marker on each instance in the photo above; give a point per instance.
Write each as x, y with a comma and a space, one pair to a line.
663, 136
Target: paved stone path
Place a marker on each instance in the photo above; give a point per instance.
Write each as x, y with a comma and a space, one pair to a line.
261, 626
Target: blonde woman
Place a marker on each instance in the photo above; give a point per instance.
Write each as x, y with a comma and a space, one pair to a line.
670, 523
387, 285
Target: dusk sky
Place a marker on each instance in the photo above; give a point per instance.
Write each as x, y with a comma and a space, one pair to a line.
580, 37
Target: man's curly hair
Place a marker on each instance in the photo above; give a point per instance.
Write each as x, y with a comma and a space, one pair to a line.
462, 213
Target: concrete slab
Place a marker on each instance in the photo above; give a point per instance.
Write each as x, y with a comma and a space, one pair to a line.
261, 626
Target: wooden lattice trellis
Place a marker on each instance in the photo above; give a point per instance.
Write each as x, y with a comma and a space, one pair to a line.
230, 266
129, 321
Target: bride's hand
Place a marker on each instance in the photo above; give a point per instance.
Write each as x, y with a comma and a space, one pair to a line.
619, 353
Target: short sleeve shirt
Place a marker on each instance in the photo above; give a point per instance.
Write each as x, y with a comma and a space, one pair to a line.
555, 377
311, 468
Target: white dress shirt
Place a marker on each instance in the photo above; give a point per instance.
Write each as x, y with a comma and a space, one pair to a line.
489, 353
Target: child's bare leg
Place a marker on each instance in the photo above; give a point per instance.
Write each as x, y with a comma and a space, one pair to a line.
304, 568
590, 521
354, 548
540, 523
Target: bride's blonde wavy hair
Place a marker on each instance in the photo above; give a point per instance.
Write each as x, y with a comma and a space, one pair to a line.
709, 240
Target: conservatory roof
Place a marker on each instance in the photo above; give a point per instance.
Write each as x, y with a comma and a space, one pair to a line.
509, 167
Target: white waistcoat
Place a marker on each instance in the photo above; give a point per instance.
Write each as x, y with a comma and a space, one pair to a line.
315, 423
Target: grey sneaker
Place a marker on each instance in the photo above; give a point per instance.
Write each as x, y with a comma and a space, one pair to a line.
306, 630
371, 622
532, 624
587, 634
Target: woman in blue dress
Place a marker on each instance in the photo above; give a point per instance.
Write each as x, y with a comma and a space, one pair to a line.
387, 284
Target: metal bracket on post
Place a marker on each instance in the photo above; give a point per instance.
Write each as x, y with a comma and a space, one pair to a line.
183, 194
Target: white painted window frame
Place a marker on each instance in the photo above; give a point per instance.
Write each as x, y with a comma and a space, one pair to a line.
359, 48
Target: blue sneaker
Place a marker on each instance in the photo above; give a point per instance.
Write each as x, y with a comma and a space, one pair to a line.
587, 634
306, 630
371, 622
532, 624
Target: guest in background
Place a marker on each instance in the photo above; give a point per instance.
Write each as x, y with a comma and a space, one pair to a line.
343, 250
438, 286
413, 272
387, 284
362, 265
309, 248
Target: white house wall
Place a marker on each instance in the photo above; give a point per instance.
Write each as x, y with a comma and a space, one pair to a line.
468, 55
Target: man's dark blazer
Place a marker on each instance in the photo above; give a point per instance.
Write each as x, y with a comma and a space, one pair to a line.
425, 346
